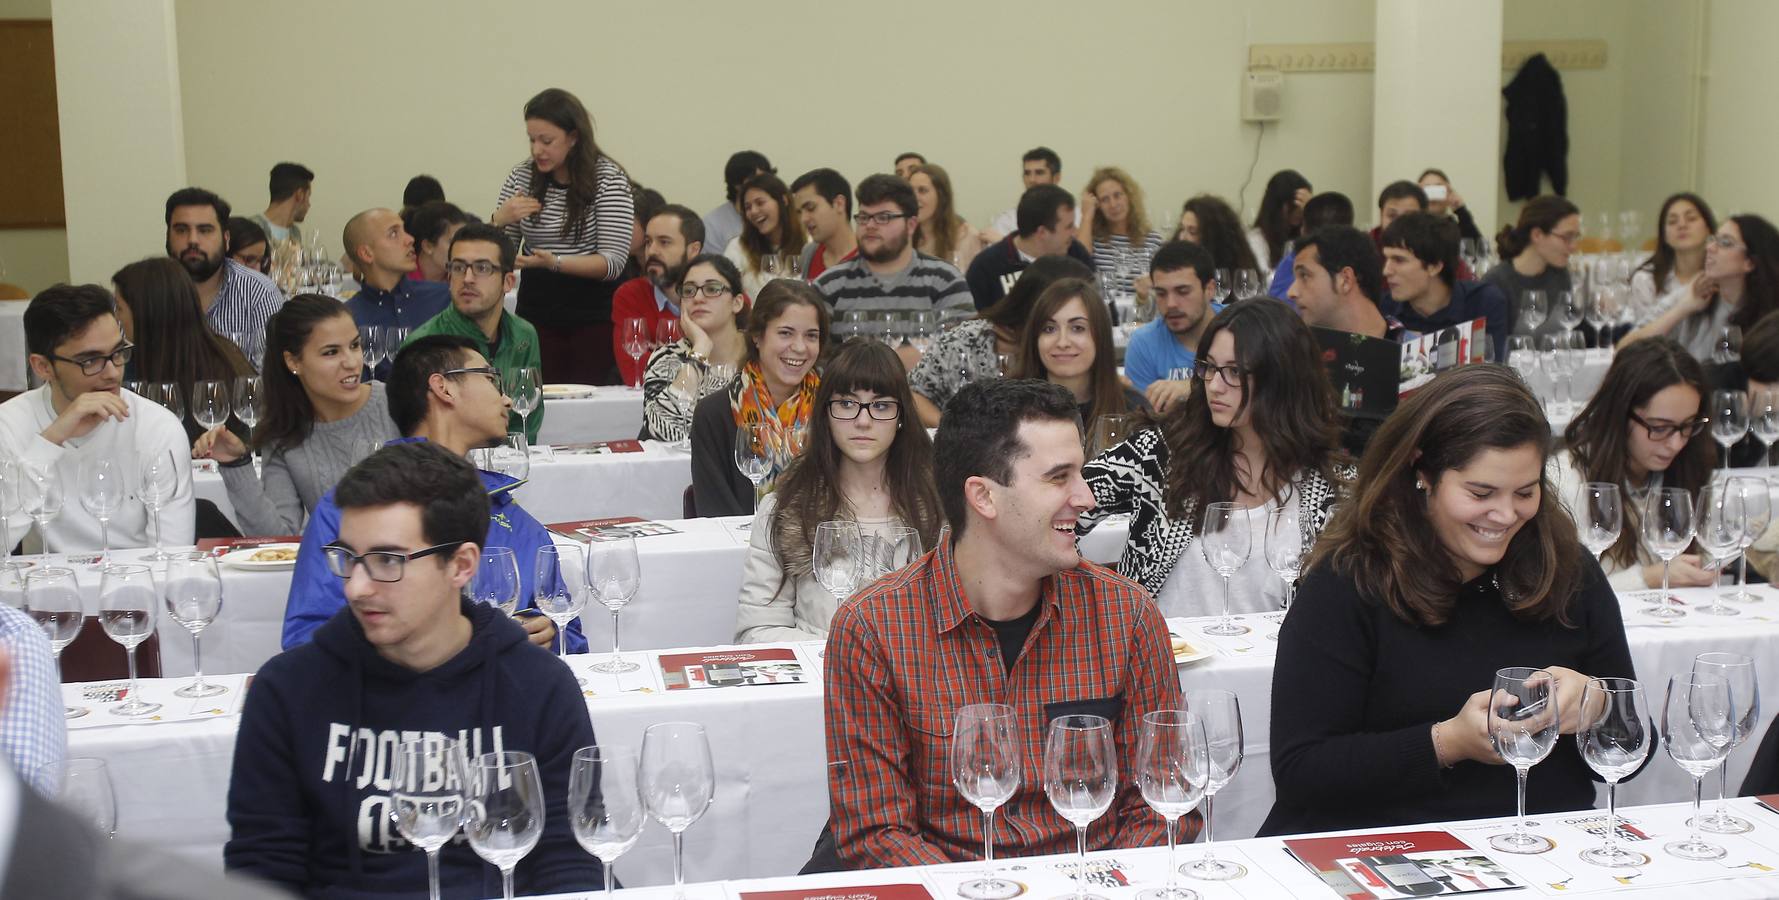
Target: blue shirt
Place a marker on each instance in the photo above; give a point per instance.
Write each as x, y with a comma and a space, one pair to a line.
663, 302
409, 304
316, 594
1153, 355
1283, 277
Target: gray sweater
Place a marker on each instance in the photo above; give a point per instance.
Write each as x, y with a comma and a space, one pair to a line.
277, 501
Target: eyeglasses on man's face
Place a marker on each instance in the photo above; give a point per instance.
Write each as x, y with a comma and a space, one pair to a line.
483, 268
382, 565
881, 410
878, 218
93, 365
491, 372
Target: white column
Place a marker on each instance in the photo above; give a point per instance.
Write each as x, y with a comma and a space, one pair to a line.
123, 134
1437, 99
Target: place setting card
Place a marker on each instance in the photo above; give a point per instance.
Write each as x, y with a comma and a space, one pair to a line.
99, 697
610, 529
1259, 642
736, 667
598, 448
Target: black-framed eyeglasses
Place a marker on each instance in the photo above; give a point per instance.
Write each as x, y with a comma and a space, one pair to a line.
881, 410
1232, 376
490, 371
710, 289
382, 565
879, 218
93, 365
1689, 428
483, 268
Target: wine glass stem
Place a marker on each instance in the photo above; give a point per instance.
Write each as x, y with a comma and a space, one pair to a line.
610, 879
197, 664
157, 533
1226, 599
1611, 818
1081, 862
1519, 825
104, 537
506, 882
1172, 872
1665, 603
1723, 791
1742, 574
1290, 592
432, 872
130, 656
679, 863
1210, 851
615, 636
988, 837
1698, 796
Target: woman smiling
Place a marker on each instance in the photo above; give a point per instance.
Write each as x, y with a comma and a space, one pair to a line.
713, 314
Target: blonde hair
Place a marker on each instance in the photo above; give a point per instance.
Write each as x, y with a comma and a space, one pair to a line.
1137, 223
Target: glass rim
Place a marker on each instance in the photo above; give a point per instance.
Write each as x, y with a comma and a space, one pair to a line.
987, 710
1088, 722
604, 753
1171, 717
124, 569
503, 759
1738, 659
1613, 684
46, 572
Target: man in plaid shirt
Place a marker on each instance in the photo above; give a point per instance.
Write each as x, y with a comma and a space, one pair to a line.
1003, 611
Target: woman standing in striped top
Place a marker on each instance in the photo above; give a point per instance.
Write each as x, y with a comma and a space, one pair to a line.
568, 208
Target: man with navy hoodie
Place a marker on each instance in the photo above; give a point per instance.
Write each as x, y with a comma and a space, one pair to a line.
309, 797
440, 390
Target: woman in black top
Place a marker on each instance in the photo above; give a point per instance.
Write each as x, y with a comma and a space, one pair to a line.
1451, 560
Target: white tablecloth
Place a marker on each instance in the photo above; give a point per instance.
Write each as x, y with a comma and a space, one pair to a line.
612, 413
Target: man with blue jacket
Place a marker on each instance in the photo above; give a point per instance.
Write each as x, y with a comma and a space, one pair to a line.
442, 390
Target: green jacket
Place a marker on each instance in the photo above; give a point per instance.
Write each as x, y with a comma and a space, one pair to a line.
518, 348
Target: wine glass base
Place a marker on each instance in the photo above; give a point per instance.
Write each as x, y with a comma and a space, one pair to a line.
1740, 596
1521, 843
1722, 824
1613, 857
204, 690
135, 709
1167, 893
1074, 896
990, 888
1713, 609
1699, 850
158, 556
1273, 637
1667, 613
74, 712
1226, 628
614, 666
1214, 870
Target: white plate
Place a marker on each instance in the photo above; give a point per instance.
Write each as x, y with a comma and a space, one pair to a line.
243, 558
567, 391
1197, 653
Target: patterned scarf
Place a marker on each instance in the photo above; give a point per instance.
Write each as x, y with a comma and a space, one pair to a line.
750, 403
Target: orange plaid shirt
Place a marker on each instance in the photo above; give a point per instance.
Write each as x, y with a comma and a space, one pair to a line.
907, 652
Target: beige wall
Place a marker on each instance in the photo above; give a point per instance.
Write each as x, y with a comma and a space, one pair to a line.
32, 258
1741, 121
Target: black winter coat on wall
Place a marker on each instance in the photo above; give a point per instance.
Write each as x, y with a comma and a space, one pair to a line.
1537, 130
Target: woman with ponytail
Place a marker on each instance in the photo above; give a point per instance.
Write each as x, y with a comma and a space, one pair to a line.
1535, 255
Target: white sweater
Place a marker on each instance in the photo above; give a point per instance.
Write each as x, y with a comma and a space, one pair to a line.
802, 610
150, 428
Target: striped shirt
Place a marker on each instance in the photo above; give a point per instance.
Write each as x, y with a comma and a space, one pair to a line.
1114, 256
33, 733
927, 283
244, 302
604, 227
905, 654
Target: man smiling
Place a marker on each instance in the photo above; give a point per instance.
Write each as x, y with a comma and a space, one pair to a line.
889, 273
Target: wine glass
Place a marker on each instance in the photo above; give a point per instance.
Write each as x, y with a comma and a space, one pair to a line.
1667, 530
52, 599
102, 493
1080, 779
678, 783
667, 331
41, 494
1699, 729
1615, 740
604, 805
892, 549
1757, 510
250, 404
1569, 308
1763, 420
127, 603
1720, 518
1108, 431
1729, 419
1220, 714
753, 442
633, 336
525, 387
167, 394
159, 484
12, 498
1737, 671
614, 575
838, 558
427, 793
192, 589
1284, 550
1224, 541
1533, 308
559, 587
1523, 718
374, 342
1522, 355
985, 767
1224, 283
497, 580
211, 403
504, 810
511, 457
1173, 768
82, 784
1727, 348
1247, 284
1560, 364
1600, 515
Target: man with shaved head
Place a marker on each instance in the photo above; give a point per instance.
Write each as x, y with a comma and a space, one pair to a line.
382, 252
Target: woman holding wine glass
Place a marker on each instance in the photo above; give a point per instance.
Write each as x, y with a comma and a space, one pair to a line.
867, 462
1453, 560
1535, 255
319, 413
1258, 431
711, 347
1643, 430
771, 238
1739, 287
776, 387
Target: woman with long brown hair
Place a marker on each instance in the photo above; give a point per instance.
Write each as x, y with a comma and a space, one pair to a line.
1643, 431
1739, 286
1209, 222
868, 461
1279, 220
1115, 225
942, 232
771, 237
1683, 228
174, 343
569, 210
1451, 560
1258, 429
1068, 341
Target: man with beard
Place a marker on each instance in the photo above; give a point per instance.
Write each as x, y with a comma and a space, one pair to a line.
480, 273
237, 301
1161, 354
291, 186
383, 253
823, 200
671, 236
889, 274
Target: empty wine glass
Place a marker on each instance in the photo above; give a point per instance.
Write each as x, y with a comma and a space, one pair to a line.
192, 589
82, 784
1615, 740
838, 557
667, 331
985, 767
12, 496
1220, 714
1224, 283
1080, 779
1522, 355
1755, 495
604, 805
633, 336
41, 494
614, 574
1173, 768
1727, 348
1107, 432
1738, 671
559, 587
524, 385
1523, 717
1698, 728
211, 402
1763, 420
1247, 284
127, 603
1224, 540
1599, 515
892, 549
1729, 419
250, 405
1720, 520
753, 453
511, 457
168, 395
1532, 309
53, 601
1667, 530
428, 782
1568, 307
678, 783
102, 492
1284, 550
159, 484
504, 810
497, 580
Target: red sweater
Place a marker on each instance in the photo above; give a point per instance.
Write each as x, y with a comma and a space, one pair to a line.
635, 299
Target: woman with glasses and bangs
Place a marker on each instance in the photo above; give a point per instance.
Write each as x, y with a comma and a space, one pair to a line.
869, 461
711, 348
1258, 429
1643, 430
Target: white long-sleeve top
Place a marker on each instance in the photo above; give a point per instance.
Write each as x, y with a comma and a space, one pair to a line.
150, 428
802, 610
